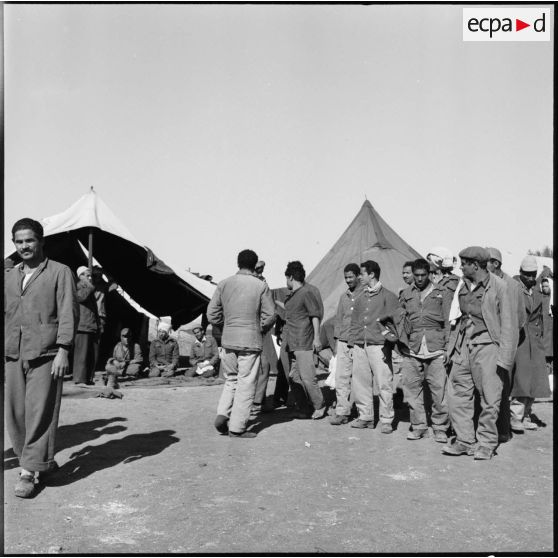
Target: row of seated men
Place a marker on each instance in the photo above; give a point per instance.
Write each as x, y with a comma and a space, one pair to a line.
127, 358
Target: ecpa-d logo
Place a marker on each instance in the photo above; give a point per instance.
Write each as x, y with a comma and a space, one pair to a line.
506, 24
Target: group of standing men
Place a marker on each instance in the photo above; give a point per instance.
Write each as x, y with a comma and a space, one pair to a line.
480, 335
486, 328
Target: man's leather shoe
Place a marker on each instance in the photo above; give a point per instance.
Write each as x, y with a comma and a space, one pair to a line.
417, 434
387, 428
25, 485
517, 427
222, 424
440, 436
338, 419
245, 434
482, 452
458, 448
359, 423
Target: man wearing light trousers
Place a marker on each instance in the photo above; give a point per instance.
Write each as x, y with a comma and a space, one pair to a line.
244, 305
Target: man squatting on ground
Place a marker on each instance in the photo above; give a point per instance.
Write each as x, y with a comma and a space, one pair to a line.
303, 313
41, 317
481, 347
344, 366
126, 360
370, 360
163, 353
243, 304
204, 355
427, 307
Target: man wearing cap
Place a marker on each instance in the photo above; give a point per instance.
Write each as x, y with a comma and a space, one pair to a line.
87, 336
481, 347
163, 353
126, 359
40, 320
529, 377
494, 265
204, 355
244, 305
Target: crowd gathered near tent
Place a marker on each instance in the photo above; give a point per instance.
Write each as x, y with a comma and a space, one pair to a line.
82, 294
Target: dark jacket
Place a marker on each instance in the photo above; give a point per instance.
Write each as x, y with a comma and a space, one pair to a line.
368, 308
44, 315
530, 377
428, 318
88, 309
344, 313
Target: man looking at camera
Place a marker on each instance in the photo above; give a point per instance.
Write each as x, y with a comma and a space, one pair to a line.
40, 322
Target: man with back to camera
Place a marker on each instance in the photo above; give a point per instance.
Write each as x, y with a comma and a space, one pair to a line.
40, 320
481, 347
244, 305
344, 366
427, 307
494, 265
367, 342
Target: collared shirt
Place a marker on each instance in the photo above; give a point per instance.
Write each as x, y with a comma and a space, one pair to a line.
163, 352
206, 349
300, 307
427, 313
42, 316
344, 313
470, 303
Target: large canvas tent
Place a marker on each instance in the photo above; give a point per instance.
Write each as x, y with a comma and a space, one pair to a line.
145, 278
368, 237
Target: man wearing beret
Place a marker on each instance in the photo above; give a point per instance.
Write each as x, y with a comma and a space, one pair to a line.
481, 348
494, 265
529, 378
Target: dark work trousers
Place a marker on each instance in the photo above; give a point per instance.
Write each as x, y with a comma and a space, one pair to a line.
84, 356
32, 409
475, 368
263, 377
414, 373
283, 370
504, 418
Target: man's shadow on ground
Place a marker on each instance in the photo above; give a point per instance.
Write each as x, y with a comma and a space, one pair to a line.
71, 435
91, 459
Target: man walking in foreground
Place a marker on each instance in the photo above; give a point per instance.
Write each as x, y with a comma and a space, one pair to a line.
244, 305
481, 346
41, 318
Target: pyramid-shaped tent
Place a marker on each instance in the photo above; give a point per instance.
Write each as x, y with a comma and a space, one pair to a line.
368, 237
145, 278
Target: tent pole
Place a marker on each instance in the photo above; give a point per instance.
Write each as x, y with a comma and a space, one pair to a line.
90, 251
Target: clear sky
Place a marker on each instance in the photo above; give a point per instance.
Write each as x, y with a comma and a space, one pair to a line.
211, 128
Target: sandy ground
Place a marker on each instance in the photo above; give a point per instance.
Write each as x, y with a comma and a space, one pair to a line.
148, 473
